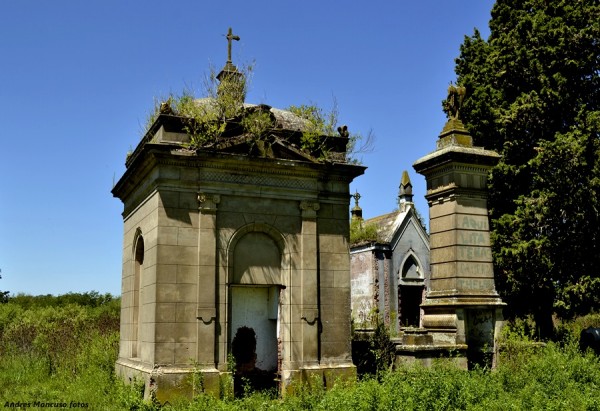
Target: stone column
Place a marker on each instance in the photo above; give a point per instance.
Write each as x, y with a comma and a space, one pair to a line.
207, 284
462, 305
309, 283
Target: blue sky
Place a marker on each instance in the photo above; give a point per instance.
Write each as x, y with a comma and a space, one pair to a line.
78, 79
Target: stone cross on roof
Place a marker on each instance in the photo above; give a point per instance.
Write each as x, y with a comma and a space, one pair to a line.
230, 36
230, 70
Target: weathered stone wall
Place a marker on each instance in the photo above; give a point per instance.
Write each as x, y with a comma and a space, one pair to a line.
377, 270
143, 222
203, 221
460, 243
176, 278
363, 286
334, 281
280, 220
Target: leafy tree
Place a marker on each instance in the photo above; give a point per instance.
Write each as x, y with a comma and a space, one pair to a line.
91, 299
534, 96
3, 294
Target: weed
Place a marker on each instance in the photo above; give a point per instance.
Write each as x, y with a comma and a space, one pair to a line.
374, 352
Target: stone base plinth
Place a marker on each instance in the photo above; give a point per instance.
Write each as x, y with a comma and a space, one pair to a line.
415, 336
427, 354
167, 383
322, 375
477, 326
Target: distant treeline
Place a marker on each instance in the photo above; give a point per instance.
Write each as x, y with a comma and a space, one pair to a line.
87, 299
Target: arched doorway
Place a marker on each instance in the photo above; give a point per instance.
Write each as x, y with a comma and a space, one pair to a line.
254, 316
410, 293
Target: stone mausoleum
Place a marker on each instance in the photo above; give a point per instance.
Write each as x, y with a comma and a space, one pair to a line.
389, 273
237, 246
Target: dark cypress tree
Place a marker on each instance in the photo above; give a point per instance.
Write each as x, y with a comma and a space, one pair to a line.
534, 96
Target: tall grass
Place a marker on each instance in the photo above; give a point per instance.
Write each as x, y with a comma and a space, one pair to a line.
553, 378
67, 354
61, 355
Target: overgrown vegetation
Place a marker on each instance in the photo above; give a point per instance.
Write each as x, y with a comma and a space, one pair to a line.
65, 352
361, 232
222, 114
325, 123
60, 349
373, 352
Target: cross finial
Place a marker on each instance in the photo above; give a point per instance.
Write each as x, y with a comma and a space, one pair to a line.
356, 198
356, 210
230, 36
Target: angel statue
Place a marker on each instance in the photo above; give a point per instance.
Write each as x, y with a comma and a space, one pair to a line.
454, 101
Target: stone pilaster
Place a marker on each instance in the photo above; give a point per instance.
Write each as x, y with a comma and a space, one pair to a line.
309, 284
207, 275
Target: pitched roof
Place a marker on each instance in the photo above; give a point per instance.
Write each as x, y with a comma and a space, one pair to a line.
388, 224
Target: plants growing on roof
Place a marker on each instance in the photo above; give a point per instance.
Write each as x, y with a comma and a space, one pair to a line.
223, 114
322, 123
362, 233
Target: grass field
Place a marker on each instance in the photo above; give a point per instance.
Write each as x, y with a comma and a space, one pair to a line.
62, 355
